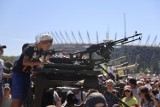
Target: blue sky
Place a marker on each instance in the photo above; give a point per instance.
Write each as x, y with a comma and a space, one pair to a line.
22, 20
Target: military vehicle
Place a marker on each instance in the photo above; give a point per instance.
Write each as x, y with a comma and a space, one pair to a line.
74, 67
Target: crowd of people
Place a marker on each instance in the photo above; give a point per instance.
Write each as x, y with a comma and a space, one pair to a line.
140, 92
133, 91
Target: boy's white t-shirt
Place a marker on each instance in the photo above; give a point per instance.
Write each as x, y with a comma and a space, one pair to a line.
1, 69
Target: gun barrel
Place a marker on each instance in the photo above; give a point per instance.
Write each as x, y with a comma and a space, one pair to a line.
132, 40
137, 34
101, 48
127, 39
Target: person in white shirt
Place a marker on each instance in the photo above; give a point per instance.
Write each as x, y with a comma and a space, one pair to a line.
2, 74
111, 72
148, 85
110, 69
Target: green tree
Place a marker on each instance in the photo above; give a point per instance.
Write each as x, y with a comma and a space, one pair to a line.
9, 58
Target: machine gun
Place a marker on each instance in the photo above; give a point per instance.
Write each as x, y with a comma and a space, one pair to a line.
103, 50
93, 55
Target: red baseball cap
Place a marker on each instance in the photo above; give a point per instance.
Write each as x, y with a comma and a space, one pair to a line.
127, 87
